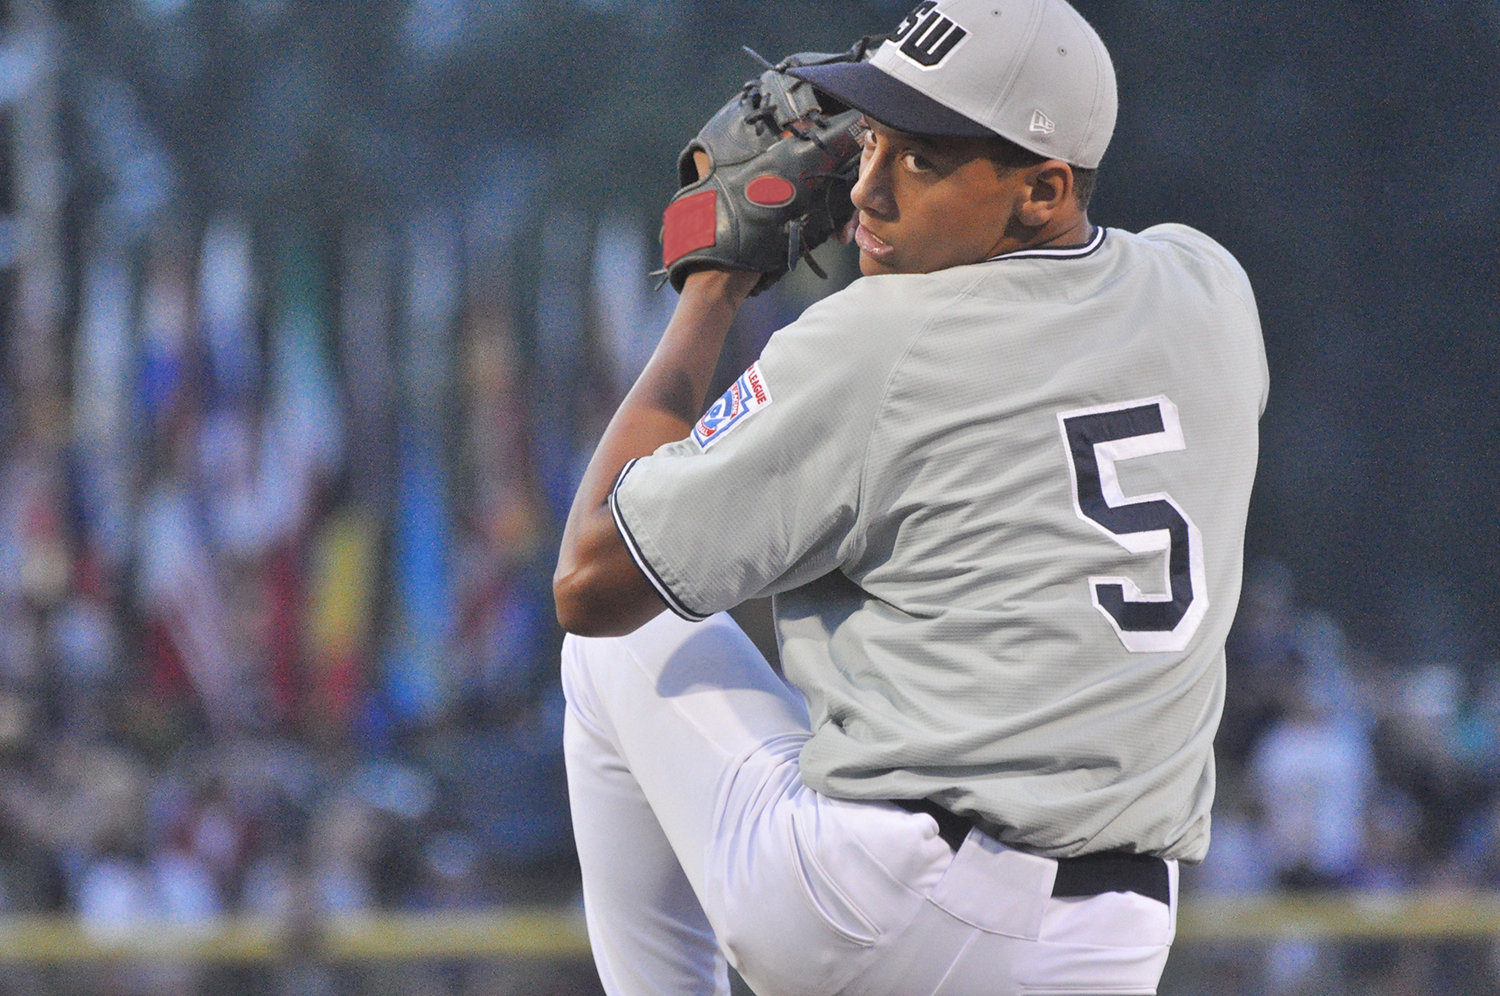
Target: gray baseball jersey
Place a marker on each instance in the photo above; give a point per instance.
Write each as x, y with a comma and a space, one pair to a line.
1002, 509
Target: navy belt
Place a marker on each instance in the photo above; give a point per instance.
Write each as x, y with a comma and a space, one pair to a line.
1085, 875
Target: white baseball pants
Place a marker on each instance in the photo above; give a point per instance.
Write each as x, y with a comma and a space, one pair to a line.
698, 841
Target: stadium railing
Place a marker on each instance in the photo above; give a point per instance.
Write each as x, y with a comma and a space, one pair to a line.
559, 934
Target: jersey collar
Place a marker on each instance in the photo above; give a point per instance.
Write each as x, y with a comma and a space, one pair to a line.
1058, 252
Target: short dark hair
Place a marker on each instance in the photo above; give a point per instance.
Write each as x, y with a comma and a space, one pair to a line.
1007, 155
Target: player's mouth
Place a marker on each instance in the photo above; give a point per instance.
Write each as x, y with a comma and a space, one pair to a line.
871, 244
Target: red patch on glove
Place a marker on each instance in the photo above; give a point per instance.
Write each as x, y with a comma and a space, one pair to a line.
689, 224
770, 191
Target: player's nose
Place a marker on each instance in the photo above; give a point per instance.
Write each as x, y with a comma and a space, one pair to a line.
871, 193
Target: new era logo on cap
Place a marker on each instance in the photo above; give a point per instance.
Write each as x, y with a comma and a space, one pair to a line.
1041, 124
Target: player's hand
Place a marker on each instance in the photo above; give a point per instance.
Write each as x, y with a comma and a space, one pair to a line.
736, 283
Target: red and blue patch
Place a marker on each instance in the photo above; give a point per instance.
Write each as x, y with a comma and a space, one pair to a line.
744, 397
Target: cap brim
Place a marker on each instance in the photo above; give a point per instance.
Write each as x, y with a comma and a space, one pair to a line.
881, 96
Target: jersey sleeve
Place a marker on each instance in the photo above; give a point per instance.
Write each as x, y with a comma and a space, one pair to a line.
1207, 254
764, 494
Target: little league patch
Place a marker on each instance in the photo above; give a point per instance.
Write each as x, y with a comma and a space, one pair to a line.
744, 397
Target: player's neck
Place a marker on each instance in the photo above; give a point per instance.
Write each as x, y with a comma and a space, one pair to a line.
1072, 230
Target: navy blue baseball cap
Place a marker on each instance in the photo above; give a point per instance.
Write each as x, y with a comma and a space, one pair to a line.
889, 101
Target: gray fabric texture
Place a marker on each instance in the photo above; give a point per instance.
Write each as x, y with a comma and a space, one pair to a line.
906, 494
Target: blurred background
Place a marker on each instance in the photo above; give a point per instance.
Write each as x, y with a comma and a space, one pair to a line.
311, 313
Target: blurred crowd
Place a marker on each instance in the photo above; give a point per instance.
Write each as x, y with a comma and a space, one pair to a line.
281, 477
276, 624
276, 632
274, 618
1344, 768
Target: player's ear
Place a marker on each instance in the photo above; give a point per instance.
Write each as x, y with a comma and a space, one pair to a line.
1048, 192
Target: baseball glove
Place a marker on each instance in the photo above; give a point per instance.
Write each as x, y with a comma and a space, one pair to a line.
781, 161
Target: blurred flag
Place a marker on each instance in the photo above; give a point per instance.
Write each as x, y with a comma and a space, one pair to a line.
185, 606
500, 635
101, 401
34, 196
166, 321
302, 432
126, 148
305, 415
505, 502
560, 360
226, 304
417, 676
35, 562
342, 577
268, 500
433, 287
369, 374
418, 673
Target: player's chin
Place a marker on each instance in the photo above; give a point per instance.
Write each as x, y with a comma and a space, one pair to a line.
872, 267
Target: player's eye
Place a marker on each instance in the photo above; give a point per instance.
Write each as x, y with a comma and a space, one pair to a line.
916, 162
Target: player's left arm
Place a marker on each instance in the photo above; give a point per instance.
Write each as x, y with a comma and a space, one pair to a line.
598, 588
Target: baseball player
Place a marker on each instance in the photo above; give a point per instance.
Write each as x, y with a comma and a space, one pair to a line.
998, 488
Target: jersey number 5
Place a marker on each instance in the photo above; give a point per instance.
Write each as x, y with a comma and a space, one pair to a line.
1096, 440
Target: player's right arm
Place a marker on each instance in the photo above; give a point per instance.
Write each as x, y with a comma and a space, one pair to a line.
598, 588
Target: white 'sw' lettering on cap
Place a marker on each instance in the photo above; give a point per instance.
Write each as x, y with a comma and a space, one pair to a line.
1031, 71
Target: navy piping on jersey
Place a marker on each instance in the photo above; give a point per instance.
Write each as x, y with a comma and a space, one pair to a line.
673, 602
1062, 252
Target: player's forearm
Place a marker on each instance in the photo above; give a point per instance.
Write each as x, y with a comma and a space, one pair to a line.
669, 394
598, 589
676, 379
